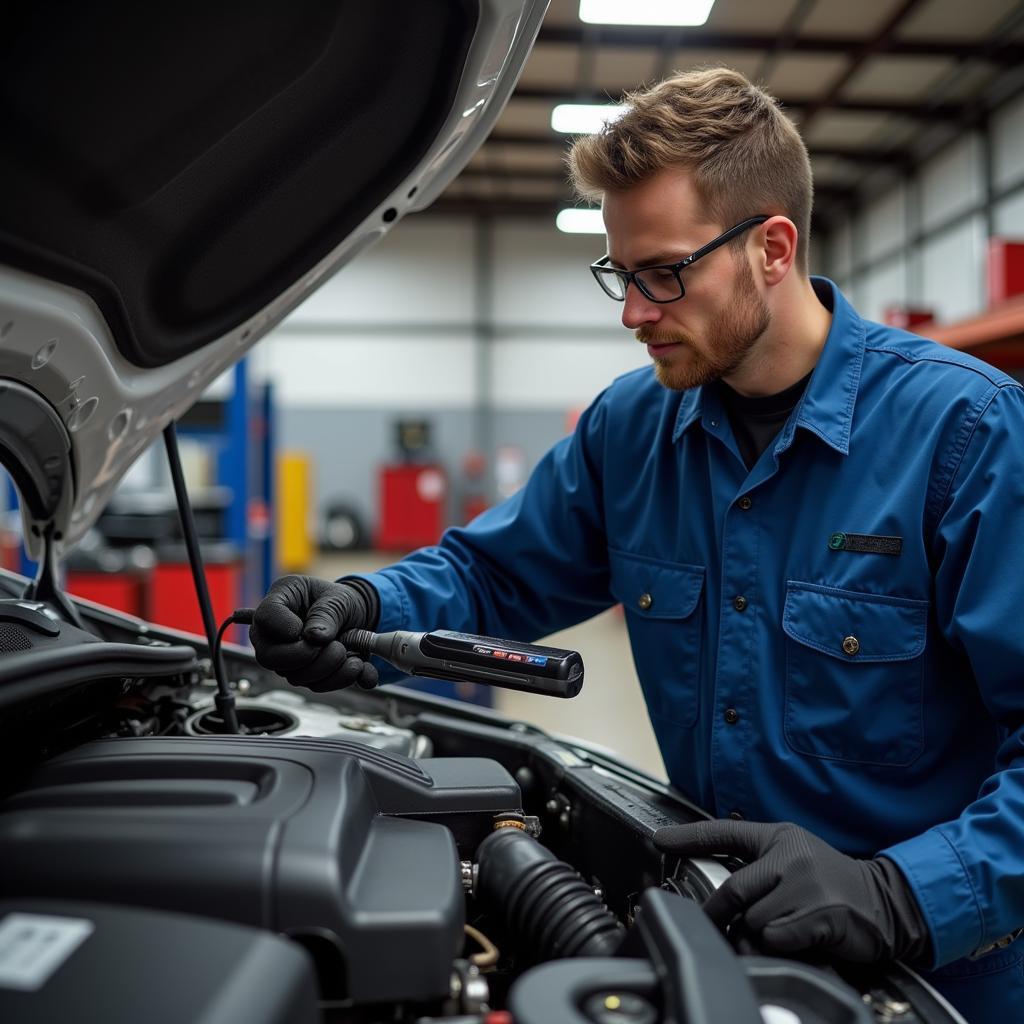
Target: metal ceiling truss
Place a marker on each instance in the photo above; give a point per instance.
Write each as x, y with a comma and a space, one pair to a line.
937, 115
1008, 52
918, 111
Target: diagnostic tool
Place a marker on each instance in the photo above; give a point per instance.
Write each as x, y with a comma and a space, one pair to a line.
464, 657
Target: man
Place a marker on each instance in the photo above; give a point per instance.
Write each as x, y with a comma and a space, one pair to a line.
814, 525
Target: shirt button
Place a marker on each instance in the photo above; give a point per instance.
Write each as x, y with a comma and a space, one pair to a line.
851, 645
740, 604
732, 716
645, 601
745, 503
735, 815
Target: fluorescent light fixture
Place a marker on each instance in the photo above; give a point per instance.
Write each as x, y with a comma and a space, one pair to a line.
580, 221
645, 12
584, 118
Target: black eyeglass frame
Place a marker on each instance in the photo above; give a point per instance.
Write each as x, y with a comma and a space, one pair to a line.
601, 269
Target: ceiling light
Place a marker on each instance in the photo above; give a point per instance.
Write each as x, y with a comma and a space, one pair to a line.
645, 12
583, 118
580, 221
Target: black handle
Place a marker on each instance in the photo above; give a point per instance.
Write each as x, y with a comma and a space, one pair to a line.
466, 657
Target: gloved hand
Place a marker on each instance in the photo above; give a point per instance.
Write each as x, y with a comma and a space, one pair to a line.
797, 893
296, 627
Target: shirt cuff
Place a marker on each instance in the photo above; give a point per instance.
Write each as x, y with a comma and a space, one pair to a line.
394, 609
944, 894
393, 615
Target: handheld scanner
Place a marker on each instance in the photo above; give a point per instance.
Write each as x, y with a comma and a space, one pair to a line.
465, 658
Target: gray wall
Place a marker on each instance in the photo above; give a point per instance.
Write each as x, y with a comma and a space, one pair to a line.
348, 446
923, 240
493, 331
496, 331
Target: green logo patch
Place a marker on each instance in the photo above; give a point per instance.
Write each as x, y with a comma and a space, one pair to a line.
866, 543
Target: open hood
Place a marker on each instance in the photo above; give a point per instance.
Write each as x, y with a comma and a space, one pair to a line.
176, 178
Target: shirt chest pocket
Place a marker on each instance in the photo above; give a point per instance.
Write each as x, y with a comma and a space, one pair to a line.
854, 674
664, 614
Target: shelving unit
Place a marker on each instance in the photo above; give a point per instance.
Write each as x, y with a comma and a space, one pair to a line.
243, 447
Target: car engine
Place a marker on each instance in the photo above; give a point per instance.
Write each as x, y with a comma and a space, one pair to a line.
356, 856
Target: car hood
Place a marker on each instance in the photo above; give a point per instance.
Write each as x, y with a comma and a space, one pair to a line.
176, 178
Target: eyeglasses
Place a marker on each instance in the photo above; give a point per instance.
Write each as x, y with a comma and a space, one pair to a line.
662, 283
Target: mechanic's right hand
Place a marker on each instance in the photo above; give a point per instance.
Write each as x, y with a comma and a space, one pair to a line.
296, 628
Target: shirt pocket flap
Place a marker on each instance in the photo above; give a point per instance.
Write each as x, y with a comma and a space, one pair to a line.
855, 627
655, 590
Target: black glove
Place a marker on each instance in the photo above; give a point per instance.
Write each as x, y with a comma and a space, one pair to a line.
296, 627
797, 893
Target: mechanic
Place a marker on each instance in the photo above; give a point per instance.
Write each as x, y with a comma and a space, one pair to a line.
815, 524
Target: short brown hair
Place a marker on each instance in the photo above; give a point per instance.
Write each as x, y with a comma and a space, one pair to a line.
745, 155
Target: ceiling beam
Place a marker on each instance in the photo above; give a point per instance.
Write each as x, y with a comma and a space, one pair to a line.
919, 111
1006, 52
788, 35
493, 207
849, 153
509, 175
821, 221
867, 49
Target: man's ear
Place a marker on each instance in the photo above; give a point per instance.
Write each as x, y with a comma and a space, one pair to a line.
776, 253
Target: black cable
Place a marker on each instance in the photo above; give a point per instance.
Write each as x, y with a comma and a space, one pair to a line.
224, 700
226, 705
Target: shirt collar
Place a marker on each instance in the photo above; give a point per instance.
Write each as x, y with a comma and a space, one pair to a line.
826, 408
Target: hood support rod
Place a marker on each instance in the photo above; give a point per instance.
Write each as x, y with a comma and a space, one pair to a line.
225, 700
45, 588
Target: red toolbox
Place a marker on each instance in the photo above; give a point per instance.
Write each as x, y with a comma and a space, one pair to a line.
1005, 269
124, 591
172, 598
412, 506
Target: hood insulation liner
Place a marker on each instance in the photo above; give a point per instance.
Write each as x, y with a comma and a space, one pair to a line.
184, 204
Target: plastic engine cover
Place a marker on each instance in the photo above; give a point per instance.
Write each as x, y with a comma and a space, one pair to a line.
72, 961
328, 842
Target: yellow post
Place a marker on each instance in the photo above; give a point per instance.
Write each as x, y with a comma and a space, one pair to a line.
295, 511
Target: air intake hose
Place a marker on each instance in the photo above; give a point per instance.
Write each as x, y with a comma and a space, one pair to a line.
549, 911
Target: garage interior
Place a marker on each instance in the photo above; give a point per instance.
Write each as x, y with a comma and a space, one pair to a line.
421, 384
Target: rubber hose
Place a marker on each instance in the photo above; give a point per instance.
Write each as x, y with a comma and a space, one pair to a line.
548, 910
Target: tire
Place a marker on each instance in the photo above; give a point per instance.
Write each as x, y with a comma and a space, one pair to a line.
343, 530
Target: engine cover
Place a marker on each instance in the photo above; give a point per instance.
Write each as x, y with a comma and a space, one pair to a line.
329, 842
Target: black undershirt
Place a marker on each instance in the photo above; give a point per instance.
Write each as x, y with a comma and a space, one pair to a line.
757, 421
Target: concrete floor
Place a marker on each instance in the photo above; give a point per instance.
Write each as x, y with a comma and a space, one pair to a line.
610, 711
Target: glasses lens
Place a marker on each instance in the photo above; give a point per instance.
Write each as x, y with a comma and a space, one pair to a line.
660, 283
611, 282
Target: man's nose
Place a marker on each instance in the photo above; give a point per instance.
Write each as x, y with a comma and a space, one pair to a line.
637, 309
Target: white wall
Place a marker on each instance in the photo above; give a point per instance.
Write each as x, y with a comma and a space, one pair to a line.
1009, 216
401, 326
839, 249
938, 263
953, 266
421, 273
952, 182
391, 370
884, 285
1008, 144
885, 224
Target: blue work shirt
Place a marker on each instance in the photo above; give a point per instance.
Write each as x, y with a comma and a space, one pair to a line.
795, 666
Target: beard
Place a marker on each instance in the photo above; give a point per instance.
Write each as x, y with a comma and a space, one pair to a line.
734, 336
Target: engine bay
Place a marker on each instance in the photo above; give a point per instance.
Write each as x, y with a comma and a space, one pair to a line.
429, 861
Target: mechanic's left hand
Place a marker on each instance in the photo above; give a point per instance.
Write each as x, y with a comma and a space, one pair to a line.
797, 893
